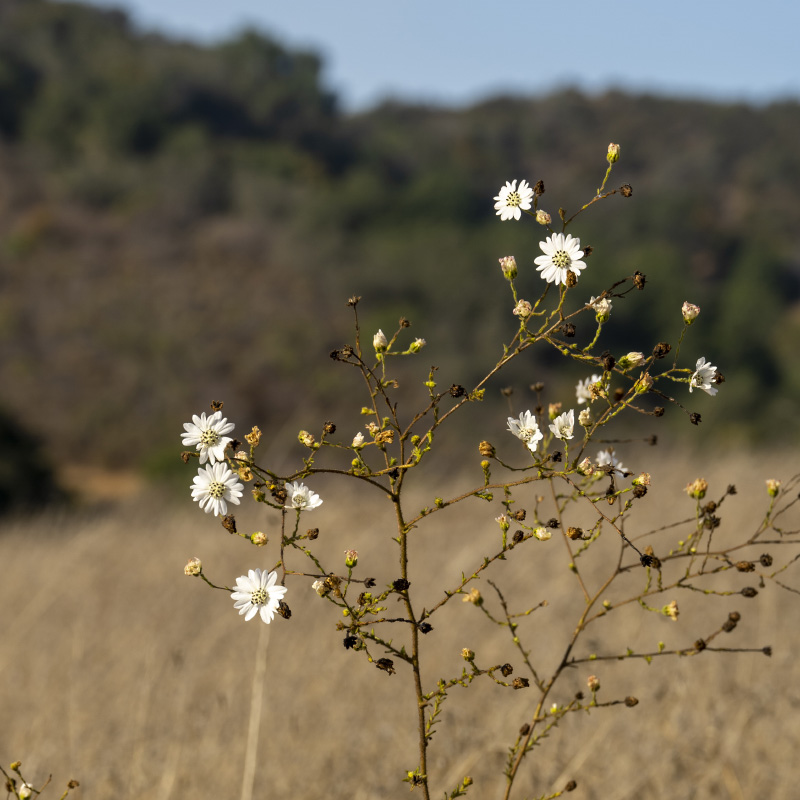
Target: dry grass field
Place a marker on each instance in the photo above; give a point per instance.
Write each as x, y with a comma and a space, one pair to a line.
120, 671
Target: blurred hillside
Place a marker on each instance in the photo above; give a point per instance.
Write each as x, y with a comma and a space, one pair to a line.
181, 223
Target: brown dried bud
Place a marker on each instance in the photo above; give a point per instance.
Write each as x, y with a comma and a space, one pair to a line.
766, 560
425, 627
728, 625
216, 405
329, 428
73, 784
572, 279
456, 390
568, 328
552, 523
518, 536
735, 616
312, 533
486, 449
404, 323
400, 585
506, 670
626, 190
658, 411
745, 566
525, 730
639, 280
649, 560
349, 642
538, 188
700, 645
284, 610
619, 393
575, 533
519, 515
608, 362
386, 664
661, 349
186, 455
749, 591
639, 491
587, 251
731, 489
280, 495
571, 786
631, 702
229, 523
695, 418
537, 387
520, 683
767, 651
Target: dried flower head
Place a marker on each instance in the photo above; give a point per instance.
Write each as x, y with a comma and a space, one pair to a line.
697, 488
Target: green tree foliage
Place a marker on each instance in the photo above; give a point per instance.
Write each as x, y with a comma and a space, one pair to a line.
177, 217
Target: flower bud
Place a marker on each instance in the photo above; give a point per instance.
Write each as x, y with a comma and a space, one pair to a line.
542, 534
350, 558
543, 218
593, 683
773, 487
417, 345
379, 341
473, 597
25, 791
690, 312
467, 654
509, 266
697, 488
358, 440
320, 587
193, 567
554, 409
306, 439
613, 153
486, 449
502, 521
644, 383
585, 418
602, 308
586, 467
258, 538
642, 480
671, 611
631, 360
522, 309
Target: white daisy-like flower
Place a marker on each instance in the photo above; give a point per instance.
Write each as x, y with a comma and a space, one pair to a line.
215, 484
511, 202
562, 254
526, 429
583, 389
563, 425
256, 593
299, 496
208, 434
606, 458
704, 377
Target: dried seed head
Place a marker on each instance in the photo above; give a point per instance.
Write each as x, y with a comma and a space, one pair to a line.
766, 560
631, 702
626, 190
229, 523
749, 591
506, 670
745, 566
520, 683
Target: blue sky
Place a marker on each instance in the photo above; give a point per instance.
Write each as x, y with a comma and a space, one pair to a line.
445, 51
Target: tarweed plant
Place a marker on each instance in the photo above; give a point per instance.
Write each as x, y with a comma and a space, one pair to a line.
564, 462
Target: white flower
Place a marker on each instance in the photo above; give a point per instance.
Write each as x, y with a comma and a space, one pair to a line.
379, 341
256, 593
25, 791
606, 458
511, 202
562, 254
563, 425
526, 429
208, 435
601, 306
689, 312
358, 440
213, 485
585, 418
320, 587
522, 309
542, 534
703, 377
583, 389
299, 496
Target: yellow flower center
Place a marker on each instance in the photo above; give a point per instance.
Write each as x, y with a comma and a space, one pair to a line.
561, 258
513, 199
259, 597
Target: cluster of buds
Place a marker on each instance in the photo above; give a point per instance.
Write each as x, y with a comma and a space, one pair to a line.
522, 309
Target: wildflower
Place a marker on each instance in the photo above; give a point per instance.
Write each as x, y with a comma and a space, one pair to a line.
773, 487
671, 611
320, 587
350, 558
254, 437
207, 433
542, 534
613, 153
306, 439
522, 309
299, 496
704, 375
256, 593
467, 654
358, 440
585, 418
417, 345
583, 389
563, 425
606, 458
213, 486
502, 521
526, 429
511, 202
602, 308
193, 567
644, 383
509, 266
690, 312
379, 341
593, 683
543, 218
642, 480
562, 254
258, 538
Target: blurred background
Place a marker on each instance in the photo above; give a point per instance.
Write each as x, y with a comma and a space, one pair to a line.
189, 193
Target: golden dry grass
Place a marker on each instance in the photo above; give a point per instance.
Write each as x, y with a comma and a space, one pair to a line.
123, 673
